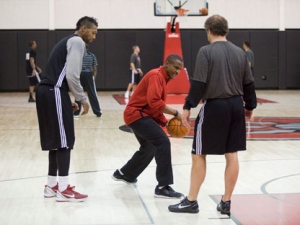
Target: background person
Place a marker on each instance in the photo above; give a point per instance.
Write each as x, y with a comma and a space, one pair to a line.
250, 55
87, 80
136, 72
32, 69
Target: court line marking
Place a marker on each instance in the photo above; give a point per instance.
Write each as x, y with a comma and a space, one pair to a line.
263, 187
144, 204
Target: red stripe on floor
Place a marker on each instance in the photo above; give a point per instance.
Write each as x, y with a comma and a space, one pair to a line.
177, 99
265, 209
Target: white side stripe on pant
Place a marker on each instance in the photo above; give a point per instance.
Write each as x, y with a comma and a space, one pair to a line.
61, 76
63, 138
199, 131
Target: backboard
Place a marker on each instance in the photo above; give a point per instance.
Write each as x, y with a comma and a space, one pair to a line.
180, 8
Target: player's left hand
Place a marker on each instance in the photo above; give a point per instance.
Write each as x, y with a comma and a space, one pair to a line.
39, 70
185, 118
75, 106
86, 108
249, 114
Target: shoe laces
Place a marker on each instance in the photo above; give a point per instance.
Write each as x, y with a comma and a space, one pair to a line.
72, 188
226, 203
55, 188
170, 189
184, 201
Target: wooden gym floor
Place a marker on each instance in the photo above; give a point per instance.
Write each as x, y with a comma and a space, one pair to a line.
267, 192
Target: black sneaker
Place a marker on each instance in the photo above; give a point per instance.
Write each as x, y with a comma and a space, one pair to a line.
119, 177
224, 207
185, 206
167, 192
99, 115
31, 100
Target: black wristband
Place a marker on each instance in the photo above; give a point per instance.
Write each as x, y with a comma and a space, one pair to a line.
176, 113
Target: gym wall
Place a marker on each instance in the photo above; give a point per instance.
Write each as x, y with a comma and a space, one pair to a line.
271, 26
277, 61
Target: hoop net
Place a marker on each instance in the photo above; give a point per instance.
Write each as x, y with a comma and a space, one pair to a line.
182, 12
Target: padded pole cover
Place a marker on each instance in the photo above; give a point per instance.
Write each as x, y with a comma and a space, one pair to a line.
181, 84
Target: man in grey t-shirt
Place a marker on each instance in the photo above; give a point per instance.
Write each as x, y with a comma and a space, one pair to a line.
136, 72
222, 79
250, 55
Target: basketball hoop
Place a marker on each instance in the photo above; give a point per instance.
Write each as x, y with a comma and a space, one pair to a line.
181, 8
182, 12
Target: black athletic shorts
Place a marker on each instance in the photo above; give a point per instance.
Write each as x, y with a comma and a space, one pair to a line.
135, 78
55, 116
220, 127
32, 80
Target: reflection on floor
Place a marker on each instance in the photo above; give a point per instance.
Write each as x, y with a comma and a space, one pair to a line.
260, 128
175, 99
267, 191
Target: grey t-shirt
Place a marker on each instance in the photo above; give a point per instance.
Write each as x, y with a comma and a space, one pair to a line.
224, 68
250, 56
136, 60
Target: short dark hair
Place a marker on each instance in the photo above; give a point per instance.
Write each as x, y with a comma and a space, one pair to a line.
217, 25
247, 43
30, 43
87, 21
173, 57
134, 47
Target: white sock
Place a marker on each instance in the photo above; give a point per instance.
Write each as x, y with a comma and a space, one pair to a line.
63, 183
51, 181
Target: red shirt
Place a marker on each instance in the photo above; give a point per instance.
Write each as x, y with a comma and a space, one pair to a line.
149, 98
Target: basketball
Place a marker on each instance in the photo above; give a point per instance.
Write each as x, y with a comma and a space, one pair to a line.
175, 129
203, 11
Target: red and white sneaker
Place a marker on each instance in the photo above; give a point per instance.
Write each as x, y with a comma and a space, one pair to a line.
50, 192
70, 195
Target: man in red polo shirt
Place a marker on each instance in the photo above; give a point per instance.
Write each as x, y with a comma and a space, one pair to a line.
144, 114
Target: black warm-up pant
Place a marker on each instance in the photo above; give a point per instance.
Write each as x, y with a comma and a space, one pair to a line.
154, 143
88, 83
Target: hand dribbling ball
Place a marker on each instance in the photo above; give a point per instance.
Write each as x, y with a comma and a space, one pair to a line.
175, 129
